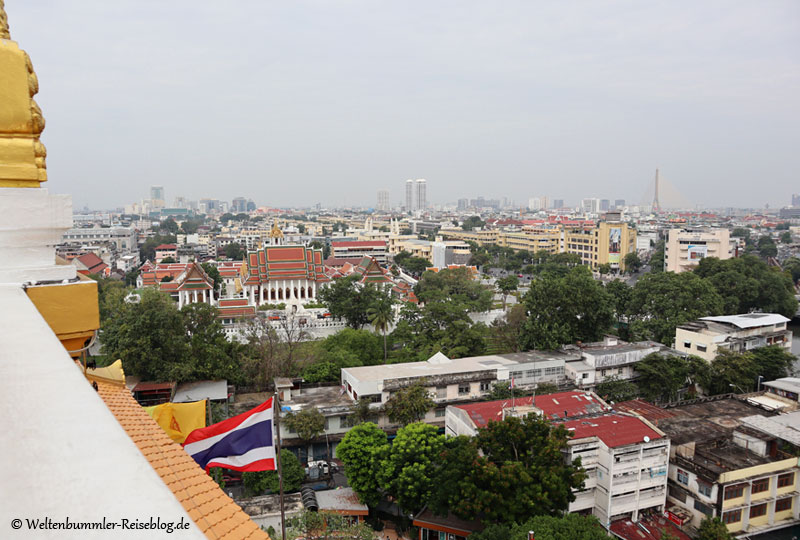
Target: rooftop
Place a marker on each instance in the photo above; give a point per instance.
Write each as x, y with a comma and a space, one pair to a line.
792, 384
648, 528
613, 429
749, 320
554, 406
342, 501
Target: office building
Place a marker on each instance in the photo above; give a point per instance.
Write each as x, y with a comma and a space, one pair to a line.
796, 200
687, 247
558, 203
605, 205
590, 206
537, 203
619, 204
409, 195
157, 199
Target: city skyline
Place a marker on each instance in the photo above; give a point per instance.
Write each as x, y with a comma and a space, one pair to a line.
590, 98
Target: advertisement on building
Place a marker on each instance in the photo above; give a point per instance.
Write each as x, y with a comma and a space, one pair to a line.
697, 252
614, 245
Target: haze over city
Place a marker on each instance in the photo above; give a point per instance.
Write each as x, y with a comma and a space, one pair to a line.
296, 103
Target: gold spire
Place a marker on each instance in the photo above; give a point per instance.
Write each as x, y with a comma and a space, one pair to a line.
4, 33
22, 155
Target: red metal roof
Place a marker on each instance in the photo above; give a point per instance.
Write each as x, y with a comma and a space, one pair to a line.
164, 247
613, 429
360, 243
149, 386
553, 406
648, 528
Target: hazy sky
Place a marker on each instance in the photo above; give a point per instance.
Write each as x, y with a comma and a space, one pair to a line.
296, 102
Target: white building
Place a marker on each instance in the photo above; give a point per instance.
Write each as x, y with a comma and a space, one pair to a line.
124, 238
685, 248
738, 333
422, 198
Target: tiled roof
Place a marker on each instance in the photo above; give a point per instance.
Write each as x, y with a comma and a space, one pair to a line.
285, 262
211, 509
165, 247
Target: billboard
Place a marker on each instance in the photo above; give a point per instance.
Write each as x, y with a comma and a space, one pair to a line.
614, 244
696, 253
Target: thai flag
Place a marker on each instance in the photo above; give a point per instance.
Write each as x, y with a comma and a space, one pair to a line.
242, 443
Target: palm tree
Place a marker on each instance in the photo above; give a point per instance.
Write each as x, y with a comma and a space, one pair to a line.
381, 316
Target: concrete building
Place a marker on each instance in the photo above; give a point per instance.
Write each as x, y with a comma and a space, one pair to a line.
685, 248
739, 333
609, 358
422, 197
728, 461
625, 457
445, 253
357, 250
124, 238
409, 195
383, 200
157, 199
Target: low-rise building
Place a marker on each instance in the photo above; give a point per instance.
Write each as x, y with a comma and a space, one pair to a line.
124, 238
739, 333
610, 358
685, 248
359, 249
727, 464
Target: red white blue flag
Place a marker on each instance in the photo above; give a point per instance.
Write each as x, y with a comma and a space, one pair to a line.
244, 442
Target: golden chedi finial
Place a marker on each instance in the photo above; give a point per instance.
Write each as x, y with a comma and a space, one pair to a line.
22, 155
4, 33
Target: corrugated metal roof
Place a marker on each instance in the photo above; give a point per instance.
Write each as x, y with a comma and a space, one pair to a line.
749, 320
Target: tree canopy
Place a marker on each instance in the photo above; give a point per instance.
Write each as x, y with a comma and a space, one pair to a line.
713, 529
362, 450
566, 527
661, 376
259, 482
456, 286
564, 309
408, 405
347, 299
408, 468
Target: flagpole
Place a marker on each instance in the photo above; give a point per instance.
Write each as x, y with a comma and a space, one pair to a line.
276, 409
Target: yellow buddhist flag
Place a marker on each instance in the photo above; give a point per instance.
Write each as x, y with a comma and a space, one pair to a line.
179, 419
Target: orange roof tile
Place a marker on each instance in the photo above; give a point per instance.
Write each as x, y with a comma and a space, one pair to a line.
211, 509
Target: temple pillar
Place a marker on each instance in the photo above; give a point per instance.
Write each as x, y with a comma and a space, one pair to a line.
252, 295
260, 294
180, 300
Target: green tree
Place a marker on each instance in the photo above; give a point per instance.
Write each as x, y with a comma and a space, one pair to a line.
614, 389
167, 260
792, 267
308, 423
767, 247
621, 294
362, 450
661, 302
741, 232
506, 333
565, 309
507, 285
168, 226
149, 336
456, 286
210, 354
348, 299
632, 262
259, 482
523, 456
408, 405
351, 348
362, 411
407, 470
748, 284
604, 269
739, 372
213, 273
381, 316
657, 258
147, 251
712, 528
566, 527
234, 251
321, 372
472, 222
661, 376
786, 237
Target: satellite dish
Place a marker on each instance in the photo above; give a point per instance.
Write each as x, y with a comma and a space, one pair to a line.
646, 438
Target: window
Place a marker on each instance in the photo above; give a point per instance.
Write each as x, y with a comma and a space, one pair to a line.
785, 480
486, 386
758, 510
734, 516
734, 492
439, 413
376, 398
463, 389
441, 392
683, 477
704, 508
687, 344
704, 489
760, 485
783, 504
345, 422
702, 348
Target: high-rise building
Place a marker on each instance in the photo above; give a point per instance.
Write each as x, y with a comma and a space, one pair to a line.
687, 247
239, 205
537, 203
796, 199
409, 195
558, 203
157, 196
590, 206
383, 200
422, 202
619, 204
463, 204
605, 205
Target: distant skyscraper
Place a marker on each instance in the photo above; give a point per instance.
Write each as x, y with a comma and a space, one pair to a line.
157, 196
409, 195
239, 205
619, 204
590, 206
605, 204
463, 204
383, 200
422, 202
795, 200
558, 203
537, 203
